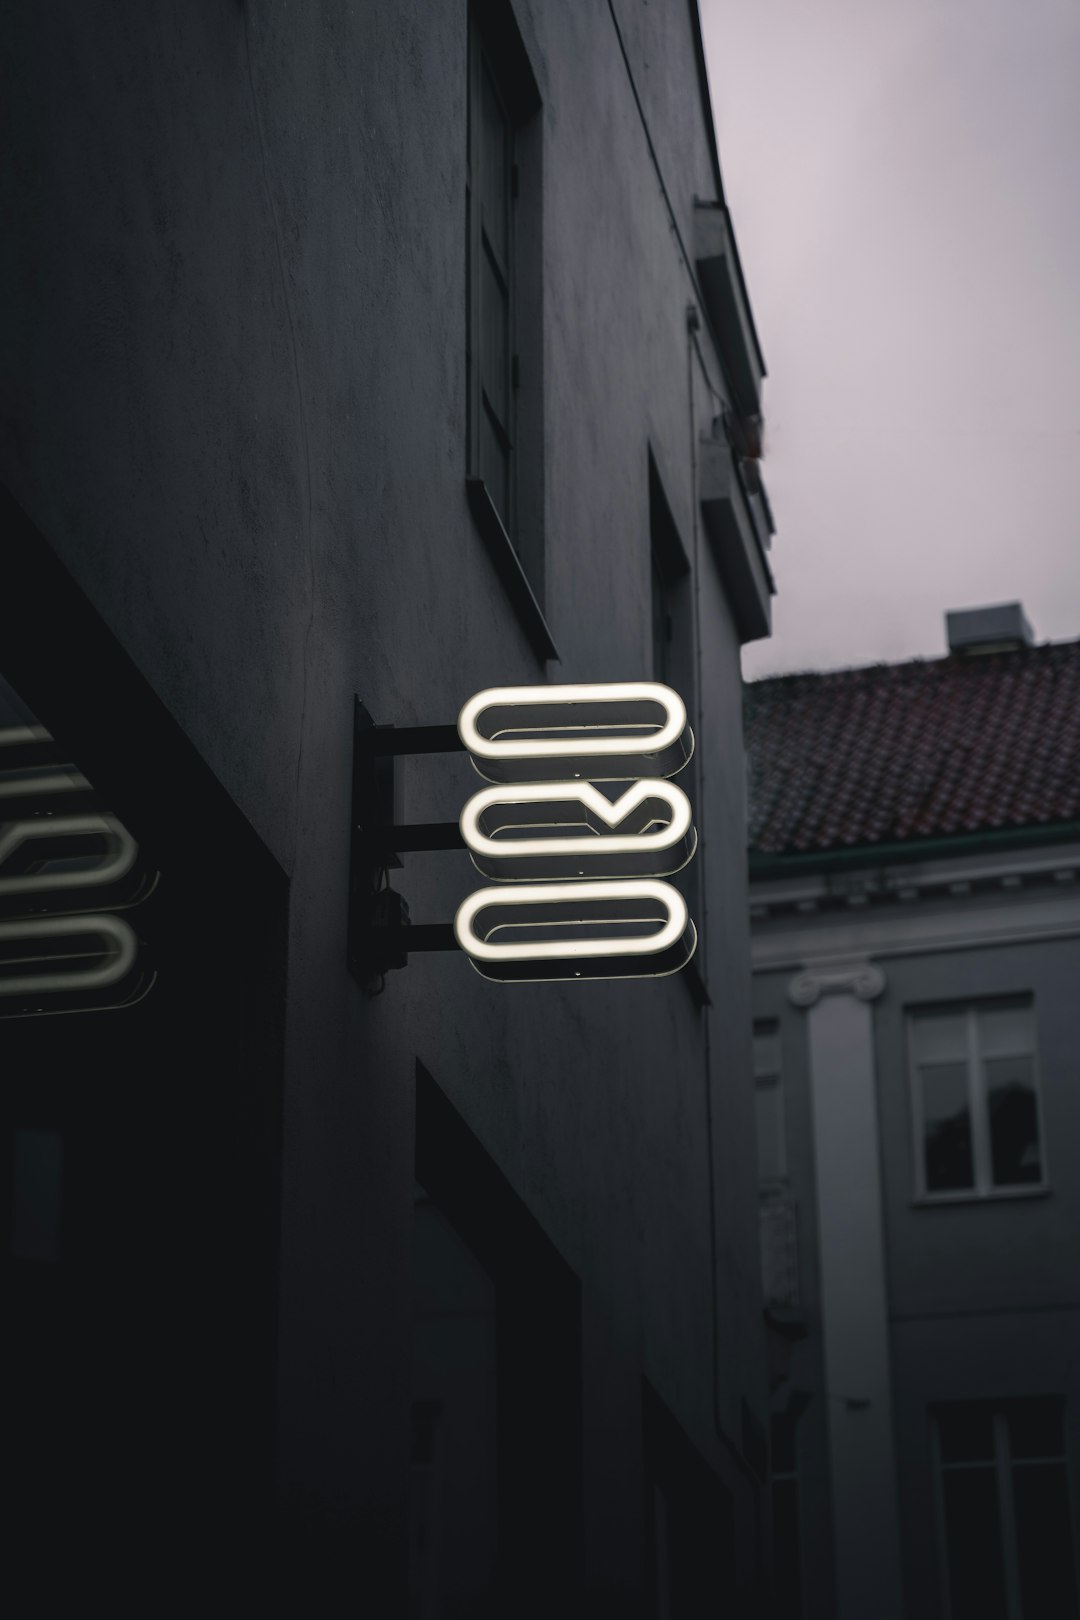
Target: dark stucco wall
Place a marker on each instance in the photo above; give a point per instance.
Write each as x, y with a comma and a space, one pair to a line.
233, 385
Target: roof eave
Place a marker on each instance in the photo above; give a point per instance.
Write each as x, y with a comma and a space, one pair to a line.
767, 865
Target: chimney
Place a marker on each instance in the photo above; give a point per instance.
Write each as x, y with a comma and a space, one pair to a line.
988, 629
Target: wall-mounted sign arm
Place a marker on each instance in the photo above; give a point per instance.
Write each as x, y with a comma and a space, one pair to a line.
380, 934
408, 839
394, 740
386, 937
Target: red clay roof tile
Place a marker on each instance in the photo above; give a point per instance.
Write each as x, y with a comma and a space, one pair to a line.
926, 749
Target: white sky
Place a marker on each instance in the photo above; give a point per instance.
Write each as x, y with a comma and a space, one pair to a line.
904, 179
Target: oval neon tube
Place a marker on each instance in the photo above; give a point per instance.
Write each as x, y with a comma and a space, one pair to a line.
537, 896
565, 709
560, 848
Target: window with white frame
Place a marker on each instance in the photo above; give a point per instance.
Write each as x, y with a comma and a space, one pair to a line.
1004, 1513
769, 1105
975, 1098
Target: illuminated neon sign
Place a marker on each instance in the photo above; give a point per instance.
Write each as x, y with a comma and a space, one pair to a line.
577, 872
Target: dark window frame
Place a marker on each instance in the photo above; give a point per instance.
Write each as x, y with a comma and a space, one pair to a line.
540, 1434
504, 295
673, 612
1001, 1461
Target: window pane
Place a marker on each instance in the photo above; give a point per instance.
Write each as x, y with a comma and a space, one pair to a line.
660, 628
1014, 1124
966, 1432
1044, 1541
770, 1130
782, 1444
1036, 1428
494, 338
454, 1504
1005, 1029
939, 1038
494, 165
973, 1543
946, 1127
37, 1195
495, 467
767, 1050
786, 1561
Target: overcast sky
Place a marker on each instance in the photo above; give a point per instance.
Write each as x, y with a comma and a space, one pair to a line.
904, 179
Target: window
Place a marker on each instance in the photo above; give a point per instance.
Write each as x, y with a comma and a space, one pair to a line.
975, 1096
672, 598
37, 1195
453, 1490
1004, 1519
497, 1513
787, 1555
691, 1561
504, 350
769, 1105
674, 662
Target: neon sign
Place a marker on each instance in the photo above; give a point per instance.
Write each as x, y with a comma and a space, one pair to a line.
578, 892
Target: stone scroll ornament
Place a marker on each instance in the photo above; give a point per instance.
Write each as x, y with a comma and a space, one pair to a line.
578, 868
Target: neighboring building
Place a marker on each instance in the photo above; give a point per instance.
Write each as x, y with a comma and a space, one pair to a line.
394, 350
914, 861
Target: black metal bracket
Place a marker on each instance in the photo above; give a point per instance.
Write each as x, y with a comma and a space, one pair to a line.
380, 933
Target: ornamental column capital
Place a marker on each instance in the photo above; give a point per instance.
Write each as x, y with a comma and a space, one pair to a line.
862, 979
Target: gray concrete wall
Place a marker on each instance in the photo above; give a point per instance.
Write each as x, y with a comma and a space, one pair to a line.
982, 1293
233, 277
985, 1293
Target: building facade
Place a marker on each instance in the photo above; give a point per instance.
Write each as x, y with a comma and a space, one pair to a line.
381, 353
915, 847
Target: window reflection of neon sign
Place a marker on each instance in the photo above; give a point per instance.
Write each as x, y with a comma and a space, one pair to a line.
66, 868
578, 892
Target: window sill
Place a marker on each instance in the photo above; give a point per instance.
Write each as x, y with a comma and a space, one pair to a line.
514, 579
995, 1195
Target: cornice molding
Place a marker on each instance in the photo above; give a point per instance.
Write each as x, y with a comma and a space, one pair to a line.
1021, 919
882, 886
862, 979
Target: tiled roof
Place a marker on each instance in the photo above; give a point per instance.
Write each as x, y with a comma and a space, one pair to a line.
928, 749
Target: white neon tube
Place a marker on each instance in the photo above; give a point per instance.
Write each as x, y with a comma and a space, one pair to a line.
578, 735
610, 813
537, 896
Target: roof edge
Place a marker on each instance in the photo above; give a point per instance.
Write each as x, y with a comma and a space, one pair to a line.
714, 151
763, 865
917, 660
